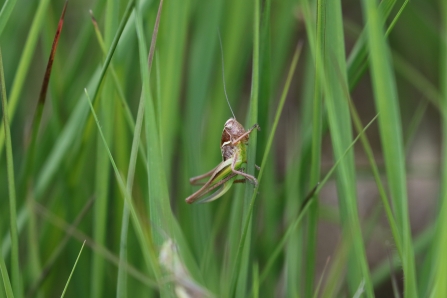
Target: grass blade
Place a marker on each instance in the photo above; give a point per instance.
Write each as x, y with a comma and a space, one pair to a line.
439, 288
146, 245
5, 277
7, 8
247, 219
15, 268
335, 82
74, 266
24, 64
241, 286
386, 99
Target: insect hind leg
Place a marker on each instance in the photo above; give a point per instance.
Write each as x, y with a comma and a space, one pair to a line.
249, 177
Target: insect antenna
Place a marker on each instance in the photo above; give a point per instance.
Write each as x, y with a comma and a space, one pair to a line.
223, 74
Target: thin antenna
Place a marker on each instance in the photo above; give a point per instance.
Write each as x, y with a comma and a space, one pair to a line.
223, 74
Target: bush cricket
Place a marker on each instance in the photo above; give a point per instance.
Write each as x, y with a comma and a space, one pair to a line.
234, 154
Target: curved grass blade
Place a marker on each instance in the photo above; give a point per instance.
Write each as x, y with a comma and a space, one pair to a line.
15, 269
72, 270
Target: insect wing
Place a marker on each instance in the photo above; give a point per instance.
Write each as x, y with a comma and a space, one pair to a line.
218, 178
220, 192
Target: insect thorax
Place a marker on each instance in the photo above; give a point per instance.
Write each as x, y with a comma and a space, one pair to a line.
231, 132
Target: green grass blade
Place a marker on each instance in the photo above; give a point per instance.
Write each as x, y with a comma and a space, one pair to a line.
5, 13
24, 64
241, 287
158, 193
317, 115
146, 245
5, 277
106, 106
247, 219
122, 278
72, 270
159, 205
15, 268
356, 63
390, 126
439, 288
335, 82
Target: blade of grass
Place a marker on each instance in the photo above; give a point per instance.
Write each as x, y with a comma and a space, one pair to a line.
5, 13
106, 106
72, 270
439, 288
122, 278
386, 100
12, 198
15, 268
159, 207
146, 245
317, 115
357, 60
5, 277
247, 219
58, 250
335, 82
25, 61
29, 164
241, 286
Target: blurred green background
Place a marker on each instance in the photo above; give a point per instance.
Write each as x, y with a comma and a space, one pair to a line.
376, 226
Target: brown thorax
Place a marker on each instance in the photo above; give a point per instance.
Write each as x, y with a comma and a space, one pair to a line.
231, 132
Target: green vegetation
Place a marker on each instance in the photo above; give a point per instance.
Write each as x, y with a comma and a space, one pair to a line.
348, 96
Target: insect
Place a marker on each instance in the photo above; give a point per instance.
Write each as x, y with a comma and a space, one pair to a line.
233, 146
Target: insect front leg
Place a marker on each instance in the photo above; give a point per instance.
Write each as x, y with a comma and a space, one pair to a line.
250, 177
246, 134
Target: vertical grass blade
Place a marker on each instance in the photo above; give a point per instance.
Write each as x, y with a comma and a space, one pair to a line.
317, 115
439, 288
386, 99
251, 151
247, 219
72, 270
24, 64
335, 82
42, 97
106, 105
159, 205
15, 270
158, 193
